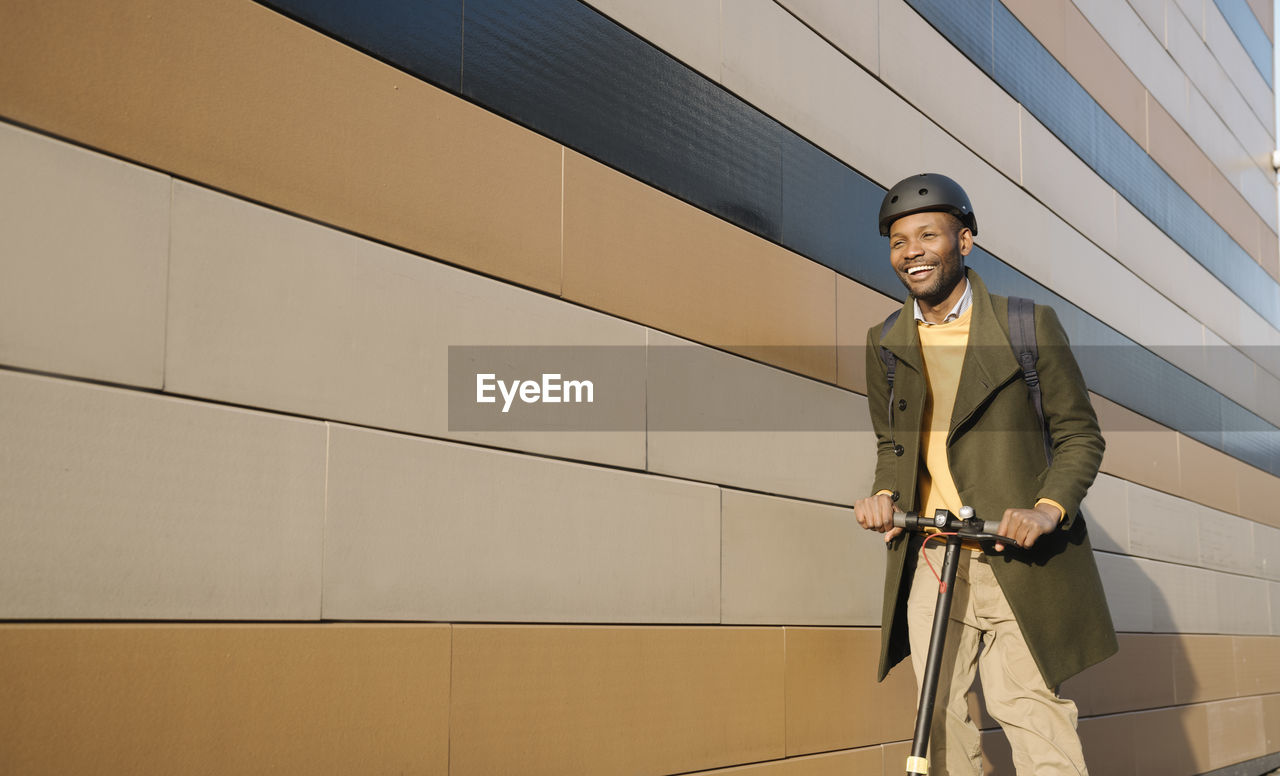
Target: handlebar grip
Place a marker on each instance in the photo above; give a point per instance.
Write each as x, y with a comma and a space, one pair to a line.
991, 526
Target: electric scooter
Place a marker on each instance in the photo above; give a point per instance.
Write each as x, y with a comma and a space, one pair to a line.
966, 527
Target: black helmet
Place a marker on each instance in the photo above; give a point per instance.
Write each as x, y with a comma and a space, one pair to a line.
922, 193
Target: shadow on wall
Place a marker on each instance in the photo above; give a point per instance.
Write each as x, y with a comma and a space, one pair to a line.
1130, 723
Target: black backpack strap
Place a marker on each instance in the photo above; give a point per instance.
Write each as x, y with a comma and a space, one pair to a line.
1022, 333
890, 360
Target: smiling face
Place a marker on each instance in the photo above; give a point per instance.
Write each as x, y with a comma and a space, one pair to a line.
927, 252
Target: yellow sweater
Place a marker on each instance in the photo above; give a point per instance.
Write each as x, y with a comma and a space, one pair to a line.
942, 345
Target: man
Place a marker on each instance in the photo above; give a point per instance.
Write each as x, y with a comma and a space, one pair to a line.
962, 431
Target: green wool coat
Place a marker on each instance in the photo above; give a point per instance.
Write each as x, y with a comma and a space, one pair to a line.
996, 451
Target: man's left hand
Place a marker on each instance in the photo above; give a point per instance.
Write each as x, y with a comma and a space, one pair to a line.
1026, 525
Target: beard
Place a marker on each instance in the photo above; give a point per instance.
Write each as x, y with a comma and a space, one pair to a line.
950, 271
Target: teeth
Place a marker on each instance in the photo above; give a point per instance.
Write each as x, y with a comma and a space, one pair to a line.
914, 270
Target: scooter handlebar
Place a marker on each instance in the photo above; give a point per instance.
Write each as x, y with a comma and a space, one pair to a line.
966, 525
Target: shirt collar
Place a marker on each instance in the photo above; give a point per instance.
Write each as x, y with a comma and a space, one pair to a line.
966, 299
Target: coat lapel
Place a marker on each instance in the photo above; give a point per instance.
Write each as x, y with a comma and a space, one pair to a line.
988, 359
903, 340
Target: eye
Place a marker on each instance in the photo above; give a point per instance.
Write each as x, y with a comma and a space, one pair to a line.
928, 235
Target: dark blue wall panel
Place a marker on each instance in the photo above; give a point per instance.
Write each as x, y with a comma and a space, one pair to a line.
571, 73
1249, 32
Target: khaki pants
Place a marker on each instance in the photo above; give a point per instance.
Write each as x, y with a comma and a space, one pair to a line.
982, 633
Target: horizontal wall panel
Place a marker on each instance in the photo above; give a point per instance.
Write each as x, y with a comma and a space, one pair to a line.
129, 505
637, 253
147, 699
858, 308
794, 562
416, 529
1138, 450
1257, 662
234, 95
1139, 676
1101, 71
833, 699
1237, 731
84, 245
858, 762
982, 115
715, 417
1106, 507
1204, 668
852, 26
1172, 742
539, 700
269, 310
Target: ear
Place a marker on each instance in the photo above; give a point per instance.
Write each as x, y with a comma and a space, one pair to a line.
965, 240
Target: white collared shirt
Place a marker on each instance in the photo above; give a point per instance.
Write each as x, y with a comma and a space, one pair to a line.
966, 299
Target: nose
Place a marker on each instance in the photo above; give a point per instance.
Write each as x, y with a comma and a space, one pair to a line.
912, 248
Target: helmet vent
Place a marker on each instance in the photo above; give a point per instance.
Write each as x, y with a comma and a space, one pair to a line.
895, 199
923, 192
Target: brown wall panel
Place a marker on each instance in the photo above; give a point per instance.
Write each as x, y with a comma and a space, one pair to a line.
1045, 19
1139, 676
1271, 721
1259, 494
633, 251
1203, 668
190, 699
858, 308
1138, 449
605, 700
231, 94
1265, 11
833, 700
858, 762
1101, 72
1257, 660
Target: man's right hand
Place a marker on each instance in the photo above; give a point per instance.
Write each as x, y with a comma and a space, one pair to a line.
875, 513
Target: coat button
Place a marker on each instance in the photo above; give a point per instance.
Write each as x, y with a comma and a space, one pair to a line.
902, 405
898, 450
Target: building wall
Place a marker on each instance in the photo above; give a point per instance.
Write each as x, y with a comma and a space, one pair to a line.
242, 534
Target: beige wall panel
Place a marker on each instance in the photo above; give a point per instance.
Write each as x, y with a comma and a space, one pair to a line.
1242, 604
1010, 220
1130, 593
1271, 718
1138, 450
83, 255
603, 701
1102, 73
719, 418
774, 62
190, 699
1185, 599
1151, 255
1259, 493
416, 529
1208, 476
857, 762
981, 114
1162, 526
1266, 551
852, 25
635, 252
1257, 660
1152, 13
273, 311
1106, 508
1109, 745
1138, 677
1237, 731
232, 94
1203, 667
1045, 19
1273, 591
1228, 543
128, 505
833, 700
796, 562
688, 31
858, 308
